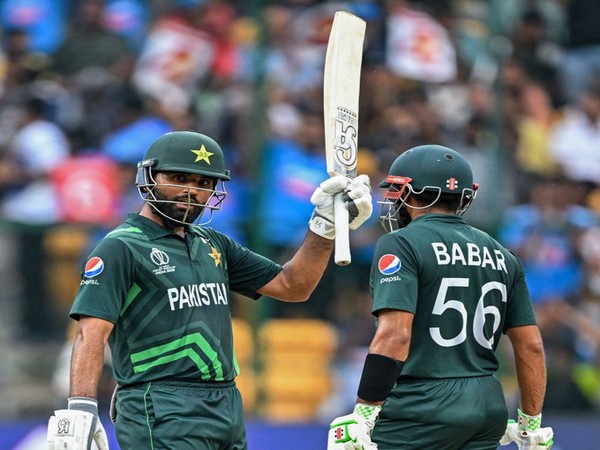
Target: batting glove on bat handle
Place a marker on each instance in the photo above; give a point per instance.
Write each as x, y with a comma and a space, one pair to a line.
353, 431
359, 201
77, 427
322, 220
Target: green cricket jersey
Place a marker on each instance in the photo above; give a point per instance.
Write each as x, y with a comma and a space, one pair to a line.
169, 299
464, 288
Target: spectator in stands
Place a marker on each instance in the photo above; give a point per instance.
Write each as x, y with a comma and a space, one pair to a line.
539, 56
35, 150
89, 44
129, 18
583, 318
20, 64
574, 343
575, 139
296, 45
29, 199
545, 233
477, 145
292, 170
137, 128
580, 64
92, 64
42, 20
534, 126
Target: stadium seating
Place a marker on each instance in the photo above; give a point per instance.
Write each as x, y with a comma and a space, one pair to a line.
295, 378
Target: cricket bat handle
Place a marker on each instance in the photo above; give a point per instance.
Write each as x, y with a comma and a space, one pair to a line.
342, 232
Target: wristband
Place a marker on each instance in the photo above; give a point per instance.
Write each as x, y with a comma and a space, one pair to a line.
87, 404
367, 412
527, 422
379, 375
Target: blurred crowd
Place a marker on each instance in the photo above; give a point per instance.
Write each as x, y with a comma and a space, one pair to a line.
514, 85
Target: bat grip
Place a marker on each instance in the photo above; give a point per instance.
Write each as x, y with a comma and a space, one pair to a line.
342, 232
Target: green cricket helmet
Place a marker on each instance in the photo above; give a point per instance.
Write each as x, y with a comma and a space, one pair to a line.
432, 168
185, 152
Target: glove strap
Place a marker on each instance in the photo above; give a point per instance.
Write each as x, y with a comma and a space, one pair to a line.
527, 422
86, 404
367, 411
322, 226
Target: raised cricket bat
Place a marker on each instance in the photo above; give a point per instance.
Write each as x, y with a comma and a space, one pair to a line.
341, 88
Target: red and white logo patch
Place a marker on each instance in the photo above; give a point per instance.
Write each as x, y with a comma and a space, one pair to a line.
389, 264
93, 267
452, 183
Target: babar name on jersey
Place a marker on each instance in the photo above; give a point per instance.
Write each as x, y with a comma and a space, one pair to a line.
469, 255
194, 295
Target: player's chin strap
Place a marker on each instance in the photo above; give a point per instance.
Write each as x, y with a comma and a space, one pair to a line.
77, 427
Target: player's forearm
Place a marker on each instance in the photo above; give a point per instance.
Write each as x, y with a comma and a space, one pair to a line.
530, 367
531, 375
87, 361
302, 273
393, 334
86, 368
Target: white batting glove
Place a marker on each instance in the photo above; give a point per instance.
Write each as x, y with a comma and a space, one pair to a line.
322, 221
357, 198
353, 431
527, 433
78, 427
359, 201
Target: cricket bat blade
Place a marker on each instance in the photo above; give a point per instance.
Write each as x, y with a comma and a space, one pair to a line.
341, 89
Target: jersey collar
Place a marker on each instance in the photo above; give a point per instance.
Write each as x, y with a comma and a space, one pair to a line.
150, 228
448, 218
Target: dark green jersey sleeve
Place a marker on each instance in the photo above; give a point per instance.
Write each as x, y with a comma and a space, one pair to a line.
394, 275
248, 271
106, 277
519, 309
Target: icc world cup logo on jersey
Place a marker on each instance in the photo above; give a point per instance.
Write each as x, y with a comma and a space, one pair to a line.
159, 257
389, 264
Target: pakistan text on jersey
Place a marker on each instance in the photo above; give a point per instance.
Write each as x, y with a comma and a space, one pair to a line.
203, 294
472, 255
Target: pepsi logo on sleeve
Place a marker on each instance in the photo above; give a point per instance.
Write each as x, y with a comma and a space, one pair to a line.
93, 267
389, 264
